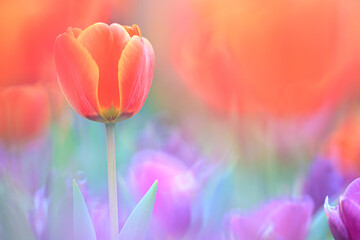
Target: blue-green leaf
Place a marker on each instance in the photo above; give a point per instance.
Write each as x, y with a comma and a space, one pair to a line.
136, 225
319, 228
83, 227
13, 220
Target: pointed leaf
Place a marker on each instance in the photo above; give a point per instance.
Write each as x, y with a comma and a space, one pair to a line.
83, 227
135, 226
319, 228
13, 220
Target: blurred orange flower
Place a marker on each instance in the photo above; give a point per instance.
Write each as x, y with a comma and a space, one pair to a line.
105, 72
25, 113
29, 30
343, 145
287, 58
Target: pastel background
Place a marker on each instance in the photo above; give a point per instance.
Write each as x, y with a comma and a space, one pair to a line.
252, 119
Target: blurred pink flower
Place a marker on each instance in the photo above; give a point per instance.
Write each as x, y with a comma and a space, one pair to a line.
176, 190
279, 219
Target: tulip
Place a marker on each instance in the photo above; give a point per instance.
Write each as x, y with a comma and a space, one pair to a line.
105, 72
301, 57
177, 186
323, 180
343, 148
280, 219
27, 46
344, 219
25, 113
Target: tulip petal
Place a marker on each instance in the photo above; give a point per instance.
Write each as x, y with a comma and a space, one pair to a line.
350, 212
352, 191
105, 44
78, 75
135, 71
288, 225
336, 225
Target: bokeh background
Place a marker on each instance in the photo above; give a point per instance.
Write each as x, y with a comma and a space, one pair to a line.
251, 102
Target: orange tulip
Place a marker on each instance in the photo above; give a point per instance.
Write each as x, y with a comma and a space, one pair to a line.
26, 48
343, 145
25, 113
105, 72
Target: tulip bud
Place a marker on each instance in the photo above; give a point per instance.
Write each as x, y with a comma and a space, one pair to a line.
344, 219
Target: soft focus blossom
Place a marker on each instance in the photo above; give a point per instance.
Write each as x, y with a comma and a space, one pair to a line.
344, 219
25, 113
284, 58
279, 219
30, 28
343, 146
176, 189
105, 72
322, 180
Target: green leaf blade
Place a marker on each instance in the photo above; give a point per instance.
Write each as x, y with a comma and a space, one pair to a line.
83, 227
135, 227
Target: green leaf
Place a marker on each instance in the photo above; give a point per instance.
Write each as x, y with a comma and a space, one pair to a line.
319, 228
83, 227
135, 226
13, 220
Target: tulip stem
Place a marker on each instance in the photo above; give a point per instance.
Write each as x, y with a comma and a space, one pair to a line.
110, 140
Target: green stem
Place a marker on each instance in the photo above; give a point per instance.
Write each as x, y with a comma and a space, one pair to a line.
110, 139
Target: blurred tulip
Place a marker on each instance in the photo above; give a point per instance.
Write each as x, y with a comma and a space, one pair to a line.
280, 219
344, 219
25, 113
283, 57
343, 146
177, 185
105, 72
26, 48
323, 180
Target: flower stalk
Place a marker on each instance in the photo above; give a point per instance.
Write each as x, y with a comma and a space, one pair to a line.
110, 141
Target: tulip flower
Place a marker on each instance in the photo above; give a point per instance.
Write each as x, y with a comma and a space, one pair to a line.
284, 58
104, 71
27, 46
344, 219
323, 180
280, 219
342, 147
25, 113
177, 185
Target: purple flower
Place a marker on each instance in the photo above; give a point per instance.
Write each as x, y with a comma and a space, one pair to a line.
279, 219
344, 219
322, 180
177, 186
